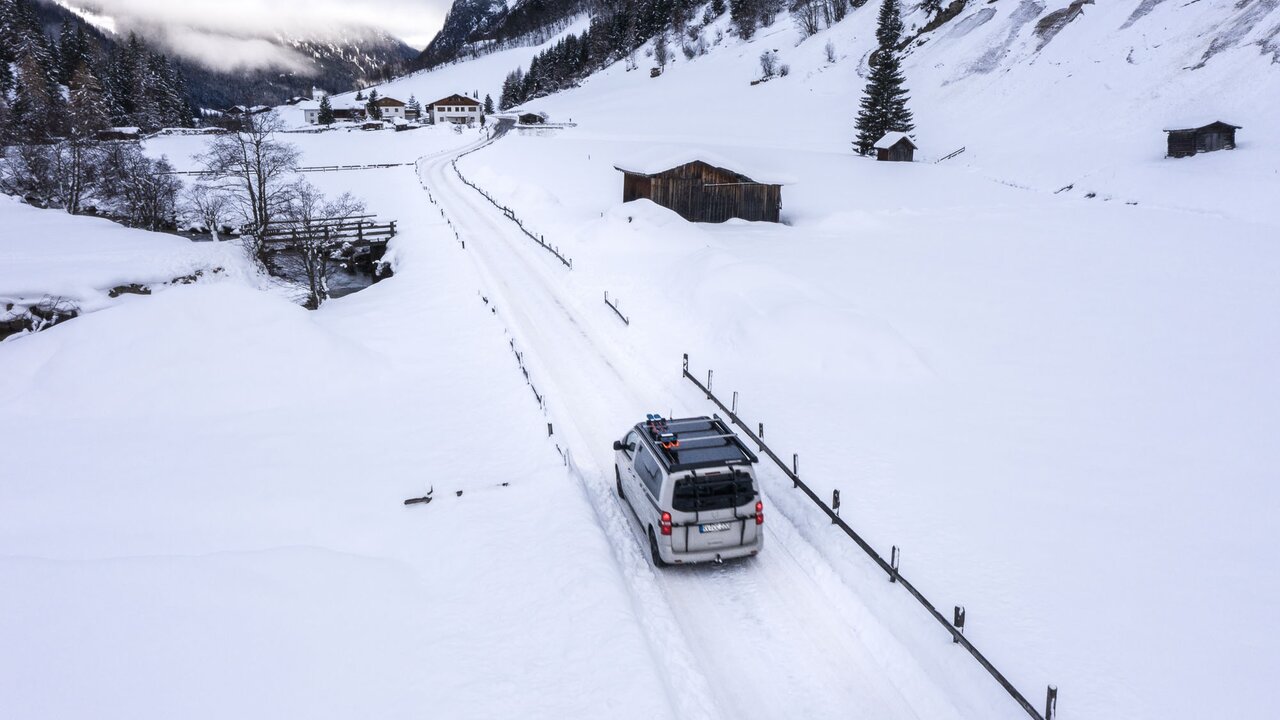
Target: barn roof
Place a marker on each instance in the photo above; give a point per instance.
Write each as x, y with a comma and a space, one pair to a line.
1188, 127
657, 162
891, 139
388, 102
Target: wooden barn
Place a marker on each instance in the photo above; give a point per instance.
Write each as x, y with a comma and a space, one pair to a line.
700, 191
532, 118
895, 147
1217, 135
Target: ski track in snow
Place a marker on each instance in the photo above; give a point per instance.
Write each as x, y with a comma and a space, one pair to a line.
772, 637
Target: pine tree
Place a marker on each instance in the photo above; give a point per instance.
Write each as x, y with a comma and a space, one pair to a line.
359, 95
326, 112
745, 16
884, 102
372, 108
86, 109
488, 104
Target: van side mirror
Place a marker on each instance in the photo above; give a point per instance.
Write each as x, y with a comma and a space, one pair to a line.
617, 445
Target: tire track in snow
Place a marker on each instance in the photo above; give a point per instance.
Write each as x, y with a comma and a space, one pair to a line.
774, 632
689, 693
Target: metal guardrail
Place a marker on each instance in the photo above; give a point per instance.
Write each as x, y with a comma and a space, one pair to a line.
613, 305
948, 156
889, 567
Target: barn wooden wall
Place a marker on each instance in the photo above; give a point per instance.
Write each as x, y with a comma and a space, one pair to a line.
703, 193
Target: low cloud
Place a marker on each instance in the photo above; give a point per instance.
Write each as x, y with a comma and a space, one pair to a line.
236, 34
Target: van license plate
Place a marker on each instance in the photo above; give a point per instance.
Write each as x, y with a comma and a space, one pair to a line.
713, 527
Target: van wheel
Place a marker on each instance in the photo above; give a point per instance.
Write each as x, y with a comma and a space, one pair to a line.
617, 474
653, 550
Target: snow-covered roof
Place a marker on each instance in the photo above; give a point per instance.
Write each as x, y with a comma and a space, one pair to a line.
126, 130
891, 139
1195, 125
657, 160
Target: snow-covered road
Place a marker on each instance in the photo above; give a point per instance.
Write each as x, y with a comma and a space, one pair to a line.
784, 635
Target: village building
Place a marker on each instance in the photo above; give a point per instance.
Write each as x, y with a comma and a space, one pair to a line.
1187, 141
895, 147
701, 189
391, 108
119, 133
457, 109
343, 111
532, 118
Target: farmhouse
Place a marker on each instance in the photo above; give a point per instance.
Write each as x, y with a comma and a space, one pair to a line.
343, 110
457, 109
1188, 141
895, 147
391, 108
701, 189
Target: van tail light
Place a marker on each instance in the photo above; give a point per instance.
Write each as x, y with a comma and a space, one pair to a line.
666, 523
759, 512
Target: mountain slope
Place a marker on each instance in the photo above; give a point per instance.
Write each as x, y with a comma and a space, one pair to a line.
352, 59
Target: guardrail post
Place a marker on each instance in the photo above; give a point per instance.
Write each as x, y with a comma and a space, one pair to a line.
959, 623
893, 564
1051, 703
549, 433
686, 362
734, 409
835, 504
708, 384
761, 436
795, 468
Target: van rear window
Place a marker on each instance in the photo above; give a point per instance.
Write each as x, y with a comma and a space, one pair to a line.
712, 493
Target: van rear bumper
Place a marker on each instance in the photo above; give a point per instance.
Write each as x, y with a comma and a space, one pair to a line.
726, 553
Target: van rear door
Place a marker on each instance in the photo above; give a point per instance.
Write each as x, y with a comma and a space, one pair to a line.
717, 510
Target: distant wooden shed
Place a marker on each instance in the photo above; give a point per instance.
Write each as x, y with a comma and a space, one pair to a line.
699, 191
532, 118
1216, 135
895, 147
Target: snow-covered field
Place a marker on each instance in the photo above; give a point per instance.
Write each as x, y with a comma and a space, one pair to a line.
1062, 407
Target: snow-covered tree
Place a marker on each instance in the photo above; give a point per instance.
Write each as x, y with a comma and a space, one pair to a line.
884, 102
325, 116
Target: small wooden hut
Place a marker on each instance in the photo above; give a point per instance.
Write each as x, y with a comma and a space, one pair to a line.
702, 192
1216, 135
895, 147
532, 118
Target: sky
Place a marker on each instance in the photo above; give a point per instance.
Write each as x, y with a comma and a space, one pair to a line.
228, 34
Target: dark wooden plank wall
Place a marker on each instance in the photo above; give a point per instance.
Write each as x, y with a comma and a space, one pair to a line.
1217, 136
699, 192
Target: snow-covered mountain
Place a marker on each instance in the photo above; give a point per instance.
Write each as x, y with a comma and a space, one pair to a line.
336, 61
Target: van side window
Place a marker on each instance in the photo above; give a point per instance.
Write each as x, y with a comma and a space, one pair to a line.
650, 475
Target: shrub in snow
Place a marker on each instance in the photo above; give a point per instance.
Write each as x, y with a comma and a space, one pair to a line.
830, 48
769, 64
784, 70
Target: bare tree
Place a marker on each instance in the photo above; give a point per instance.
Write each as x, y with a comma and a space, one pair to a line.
769, 63
253, 165
807, 15
661, 54
318, 227
207, 206
139, 190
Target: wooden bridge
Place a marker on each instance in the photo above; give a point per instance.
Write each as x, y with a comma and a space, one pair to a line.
360, 231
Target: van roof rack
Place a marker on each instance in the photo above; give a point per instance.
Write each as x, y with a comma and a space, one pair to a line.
694, 443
